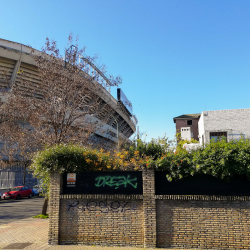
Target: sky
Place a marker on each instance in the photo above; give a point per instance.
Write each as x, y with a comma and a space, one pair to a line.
174, 57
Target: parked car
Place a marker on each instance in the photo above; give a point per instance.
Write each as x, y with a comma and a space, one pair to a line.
18, 193
35, 191
38, 190
0, 196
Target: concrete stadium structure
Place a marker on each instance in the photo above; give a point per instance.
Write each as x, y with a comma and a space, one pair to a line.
16, 57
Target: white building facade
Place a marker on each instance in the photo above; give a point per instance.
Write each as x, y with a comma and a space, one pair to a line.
186, 133
232, 124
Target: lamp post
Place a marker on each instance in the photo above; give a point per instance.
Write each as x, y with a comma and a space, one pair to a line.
117, 132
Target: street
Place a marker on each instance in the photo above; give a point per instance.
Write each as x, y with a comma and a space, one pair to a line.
14, 210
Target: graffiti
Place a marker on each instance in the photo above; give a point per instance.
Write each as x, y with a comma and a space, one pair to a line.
70, 211
101, 206
74, 204
115, 181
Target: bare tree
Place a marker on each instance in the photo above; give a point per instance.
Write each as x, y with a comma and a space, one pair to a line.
55, 104
17, 144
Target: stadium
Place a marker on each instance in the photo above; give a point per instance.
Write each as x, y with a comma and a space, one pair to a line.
120, 123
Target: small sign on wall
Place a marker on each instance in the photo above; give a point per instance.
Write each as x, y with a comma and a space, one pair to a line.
71, 180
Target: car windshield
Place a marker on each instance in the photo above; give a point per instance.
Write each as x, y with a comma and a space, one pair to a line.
15, 189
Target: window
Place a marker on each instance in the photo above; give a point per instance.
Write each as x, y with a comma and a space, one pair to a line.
189, 122
192, 134
217, 135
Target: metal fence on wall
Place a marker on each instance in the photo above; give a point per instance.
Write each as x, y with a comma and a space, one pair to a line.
13, 176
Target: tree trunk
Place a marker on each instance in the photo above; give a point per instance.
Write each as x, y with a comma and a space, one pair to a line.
24, 174
45, 205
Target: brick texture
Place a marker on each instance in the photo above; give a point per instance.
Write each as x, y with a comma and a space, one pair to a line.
194, 127
149, 208
148, 220
101, 222
203, 224
54, 205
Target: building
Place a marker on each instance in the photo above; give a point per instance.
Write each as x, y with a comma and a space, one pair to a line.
233, 124
187, 125
16, 57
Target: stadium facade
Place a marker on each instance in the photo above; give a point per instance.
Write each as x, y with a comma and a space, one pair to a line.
16, 57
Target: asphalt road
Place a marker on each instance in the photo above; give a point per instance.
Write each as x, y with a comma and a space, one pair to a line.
13, 210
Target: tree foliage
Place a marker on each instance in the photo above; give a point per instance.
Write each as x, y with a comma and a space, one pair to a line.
76, 158
220, 159
155, 148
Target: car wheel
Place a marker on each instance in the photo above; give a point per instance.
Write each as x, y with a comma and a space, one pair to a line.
30, 195
18, 197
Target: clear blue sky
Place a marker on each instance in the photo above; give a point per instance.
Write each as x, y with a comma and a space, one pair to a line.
175, 57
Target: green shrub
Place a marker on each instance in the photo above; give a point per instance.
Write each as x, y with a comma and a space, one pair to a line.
41, 216
69, 158
155, 148
220, 159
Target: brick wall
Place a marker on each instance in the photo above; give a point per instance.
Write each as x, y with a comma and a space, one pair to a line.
149, 208
149, 220
54, 207
203, 224
194, 127
102, 221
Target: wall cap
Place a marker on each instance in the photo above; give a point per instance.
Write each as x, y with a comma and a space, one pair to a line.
103, 196
202, 197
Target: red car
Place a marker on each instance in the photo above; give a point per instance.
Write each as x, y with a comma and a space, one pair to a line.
18, 193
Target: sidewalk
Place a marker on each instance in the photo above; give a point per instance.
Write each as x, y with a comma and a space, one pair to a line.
32, 234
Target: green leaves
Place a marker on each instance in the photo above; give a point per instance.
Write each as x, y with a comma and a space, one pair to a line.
220, 159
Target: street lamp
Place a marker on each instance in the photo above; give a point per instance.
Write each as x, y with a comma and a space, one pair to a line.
117, 132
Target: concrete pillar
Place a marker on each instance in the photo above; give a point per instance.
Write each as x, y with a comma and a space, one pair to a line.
14, 73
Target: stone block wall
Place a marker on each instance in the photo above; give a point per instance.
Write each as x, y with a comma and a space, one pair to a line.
149, 220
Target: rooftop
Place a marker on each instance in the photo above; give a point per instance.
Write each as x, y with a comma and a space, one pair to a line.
187, 116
